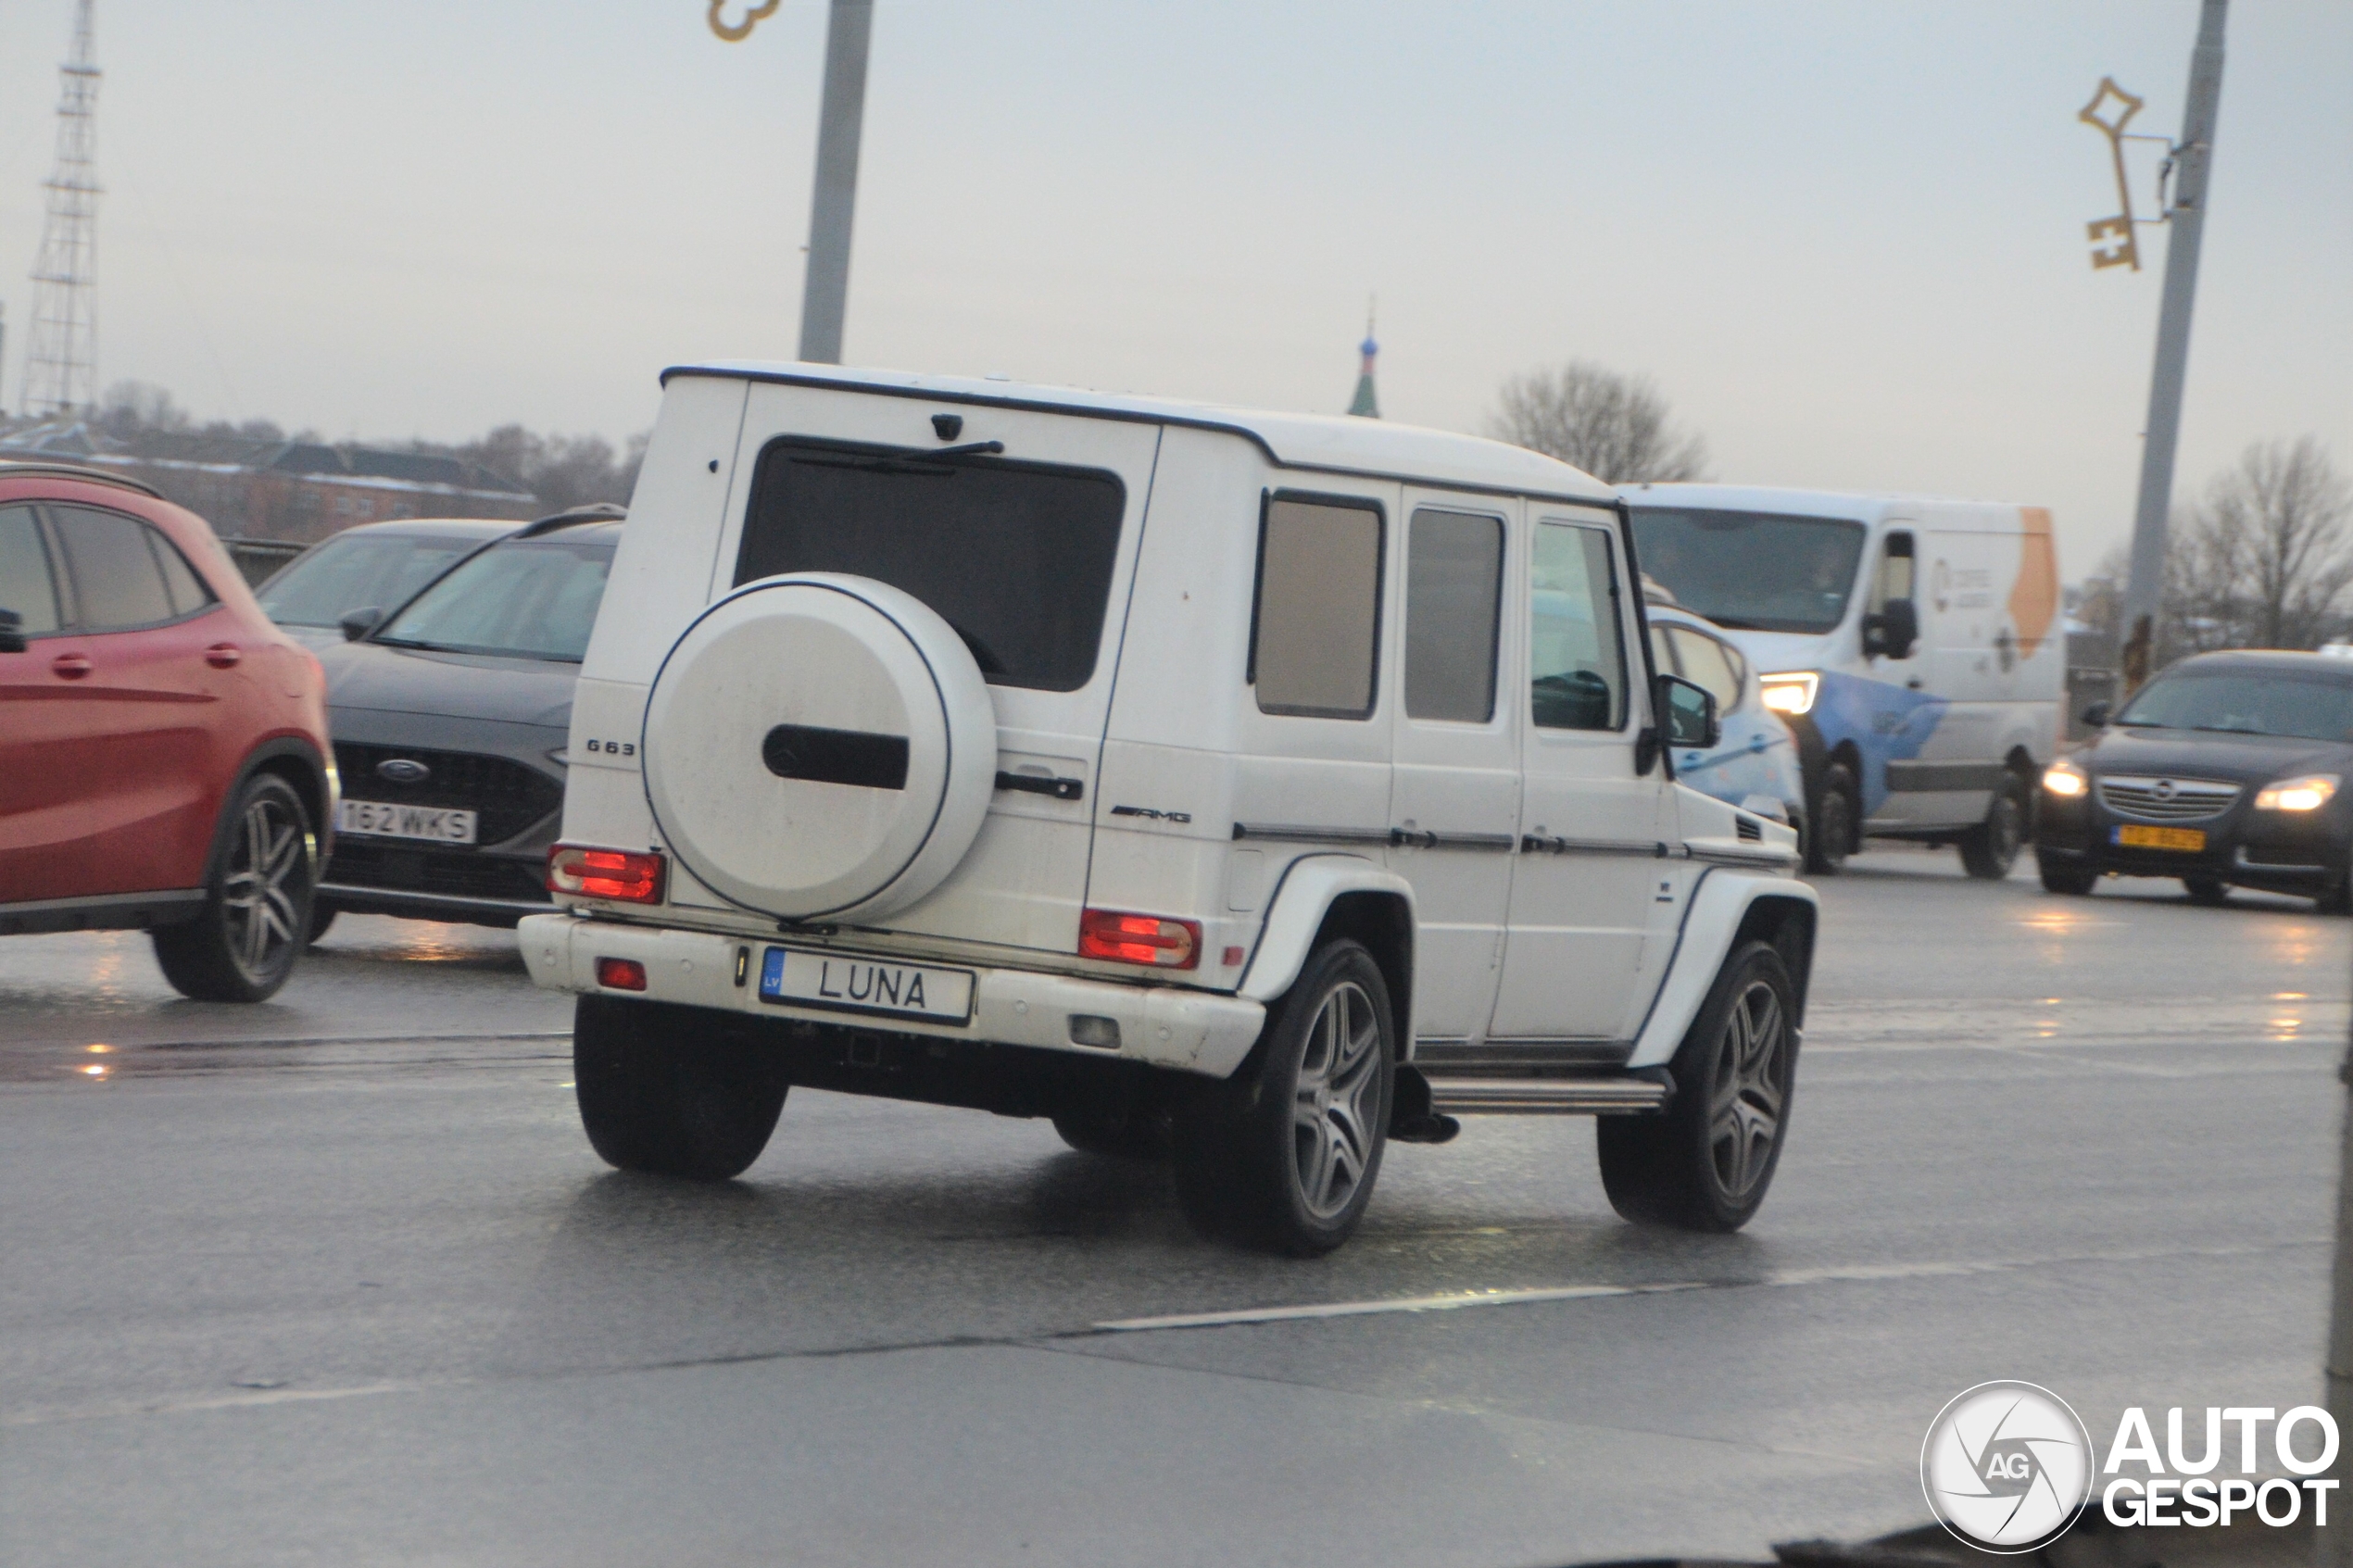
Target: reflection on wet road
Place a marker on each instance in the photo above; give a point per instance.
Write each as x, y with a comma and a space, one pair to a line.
319, 1263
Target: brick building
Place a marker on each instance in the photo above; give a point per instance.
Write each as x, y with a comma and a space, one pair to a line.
299, 491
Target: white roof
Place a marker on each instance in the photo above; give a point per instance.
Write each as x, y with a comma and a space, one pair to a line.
1335, 442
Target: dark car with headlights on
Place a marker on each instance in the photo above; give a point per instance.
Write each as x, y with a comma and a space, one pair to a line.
2228, 770
449, 716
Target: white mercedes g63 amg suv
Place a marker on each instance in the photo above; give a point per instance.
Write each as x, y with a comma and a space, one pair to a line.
1249, 788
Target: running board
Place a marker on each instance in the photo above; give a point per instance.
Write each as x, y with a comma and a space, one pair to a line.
1546, 1096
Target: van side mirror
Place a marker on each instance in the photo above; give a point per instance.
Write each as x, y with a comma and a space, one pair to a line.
11, 631
1895, 632
2096, 716
357, 623
1687, 713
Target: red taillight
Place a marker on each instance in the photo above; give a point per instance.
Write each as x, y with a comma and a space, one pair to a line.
621, 975
1145, 939
631, 876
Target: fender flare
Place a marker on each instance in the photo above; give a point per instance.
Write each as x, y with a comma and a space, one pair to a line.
1713, 916
1302, 898
322, 776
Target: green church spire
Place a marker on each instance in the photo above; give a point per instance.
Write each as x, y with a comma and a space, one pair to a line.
1366, 403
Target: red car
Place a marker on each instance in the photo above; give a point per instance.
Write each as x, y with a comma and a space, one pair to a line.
163, 747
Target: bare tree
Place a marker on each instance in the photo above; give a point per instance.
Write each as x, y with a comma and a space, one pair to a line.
2264, 557
561, 471
129, 407
1615, 428
2277, 522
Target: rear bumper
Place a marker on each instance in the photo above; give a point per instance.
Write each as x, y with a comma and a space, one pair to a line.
1159, 1025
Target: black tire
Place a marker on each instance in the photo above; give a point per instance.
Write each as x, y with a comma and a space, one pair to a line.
2210, 891
1705, 1163
323, 915
1990, 849
1836, 820
1134, 1136
1284, 1154
244, 944
664, 1089
2060, 876
2337, 901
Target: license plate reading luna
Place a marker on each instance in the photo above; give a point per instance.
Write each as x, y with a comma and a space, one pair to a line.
2192, 839
441, 825
847, 985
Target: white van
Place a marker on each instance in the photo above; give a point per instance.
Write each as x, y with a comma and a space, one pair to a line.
1245, 788
1916, 647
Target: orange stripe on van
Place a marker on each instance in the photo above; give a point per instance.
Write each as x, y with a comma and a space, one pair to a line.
2035, 597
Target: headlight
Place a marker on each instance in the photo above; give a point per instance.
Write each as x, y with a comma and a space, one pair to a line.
2065, 779
2307, 793
1791, 693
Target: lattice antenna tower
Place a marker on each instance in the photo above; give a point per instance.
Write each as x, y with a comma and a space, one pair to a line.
61, 351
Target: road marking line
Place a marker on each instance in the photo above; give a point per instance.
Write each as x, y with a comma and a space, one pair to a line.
1777, 1279
1451, 1302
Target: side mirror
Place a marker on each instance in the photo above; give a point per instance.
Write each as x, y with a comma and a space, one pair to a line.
11, 631
357, 623
2096, 716
1687, 713
1895, 632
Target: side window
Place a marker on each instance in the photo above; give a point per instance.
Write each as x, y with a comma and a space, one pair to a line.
1315, 629
1663, 651
27, 587
1896, 572
1711, 665
1454, 604
1577, 655
116, 581
181, 584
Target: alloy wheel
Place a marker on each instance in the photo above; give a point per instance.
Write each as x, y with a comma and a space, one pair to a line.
1751, 1074
1336, 1100
258, 896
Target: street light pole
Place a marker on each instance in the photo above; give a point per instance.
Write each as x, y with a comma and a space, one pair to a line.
825, 289
2193, 158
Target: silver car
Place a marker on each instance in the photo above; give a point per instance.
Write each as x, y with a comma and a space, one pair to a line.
449, 716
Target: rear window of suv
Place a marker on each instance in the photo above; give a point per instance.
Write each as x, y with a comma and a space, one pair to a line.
1017, 556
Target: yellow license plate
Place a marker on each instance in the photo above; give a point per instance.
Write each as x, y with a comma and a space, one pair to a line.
2192, 839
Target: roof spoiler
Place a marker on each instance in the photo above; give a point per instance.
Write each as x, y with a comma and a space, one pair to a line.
595, 511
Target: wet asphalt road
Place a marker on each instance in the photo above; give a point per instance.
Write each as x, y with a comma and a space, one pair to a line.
336, 1280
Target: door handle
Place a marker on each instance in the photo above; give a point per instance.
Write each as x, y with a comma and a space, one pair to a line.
223, 655
71, 666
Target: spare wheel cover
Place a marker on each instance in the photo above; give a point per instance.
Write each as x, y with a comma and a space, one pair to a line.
818, 744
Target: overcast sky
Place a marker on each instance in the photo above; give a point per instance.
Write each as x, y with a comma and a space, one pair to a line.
1846, 240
